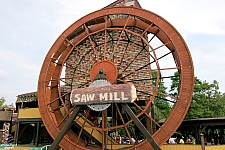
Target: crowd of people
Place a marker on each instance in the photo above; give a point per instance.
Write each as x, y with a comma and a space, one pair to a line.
125, 140
209, 139
182, 140
214, 139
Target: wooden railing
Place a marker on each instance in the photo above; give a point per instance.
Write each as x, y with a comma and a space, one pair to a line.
191, 147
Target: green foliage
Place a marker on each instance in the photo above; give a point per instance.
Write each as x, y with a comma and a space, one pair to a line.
162, 107
3, 105
207, 100
175, 84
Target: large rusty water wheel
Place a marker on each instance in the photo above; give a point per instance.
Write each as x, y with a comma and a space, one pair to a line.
130, 45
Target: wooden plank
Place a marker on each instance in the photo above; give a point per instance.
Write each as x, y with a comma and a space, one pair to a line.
116, 93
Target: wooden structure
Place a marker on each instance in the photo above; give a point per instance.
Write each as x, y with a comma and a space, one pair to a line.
29, 128
5, 121
207, 126
129, 44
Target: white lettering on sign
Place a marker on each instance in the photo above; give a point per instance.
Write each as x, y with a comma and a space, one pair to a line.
117, 93
111, 96
103, 96
90, 97
123, 96
115, 97
76, 98
83, 98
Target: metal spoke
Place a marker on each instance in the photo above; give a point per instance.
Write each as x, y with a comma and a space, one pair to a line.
123, 122
120, 36
57, 98
82, 126
75, 76
147, 70
147, 114
139, 57
91, 41
105, 17
156, 96
149, 63
82, 54
131, 46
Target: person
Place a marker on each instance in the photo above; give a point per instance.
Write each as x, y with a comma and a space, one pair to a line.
172, 140
95, 121
188, 140
132, 140
222, 140
181, 141
89, 117
212, 139
205, 140
10, 139
119, 139
193, 141
124, 140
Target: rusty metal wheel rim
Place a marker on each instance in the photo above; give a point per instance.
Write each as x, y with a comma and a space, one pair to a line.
85, 28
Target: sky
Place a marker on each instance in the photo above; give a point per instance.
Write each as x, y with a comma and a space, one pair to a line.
29, 28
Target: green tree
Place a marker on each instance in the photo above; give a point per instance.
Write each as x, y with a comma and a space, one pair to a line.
175, 84
2, 103
207, 101
216, 100
199, 107
222, 106
161, 105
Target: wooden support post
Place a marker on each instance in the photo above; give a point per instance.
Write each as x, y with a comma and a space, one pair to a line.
202, 141
65, 128
150, 125
17, 132
104, 125
34, 133
67, 103
37, 133
153, 117
141, 127
114, 115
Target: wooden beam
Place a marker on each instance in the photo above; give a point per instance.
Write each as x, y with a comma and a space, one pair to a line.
65, 128
17, 132
37, 134
141, 127
24, 128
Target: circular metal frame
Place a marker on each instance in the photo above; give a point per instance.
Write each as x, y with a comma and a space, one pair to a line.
122, 20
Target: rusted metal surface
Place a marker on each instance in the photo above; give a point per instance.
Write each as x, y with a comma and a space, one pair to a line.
80, 42
134, 3
109, 68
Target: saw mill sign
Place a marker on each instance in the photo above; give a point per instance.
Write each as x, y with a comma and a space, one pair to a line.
116, 93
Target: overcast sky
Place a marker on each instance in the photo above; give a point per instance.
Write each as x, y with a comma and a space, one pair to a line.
28, 28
